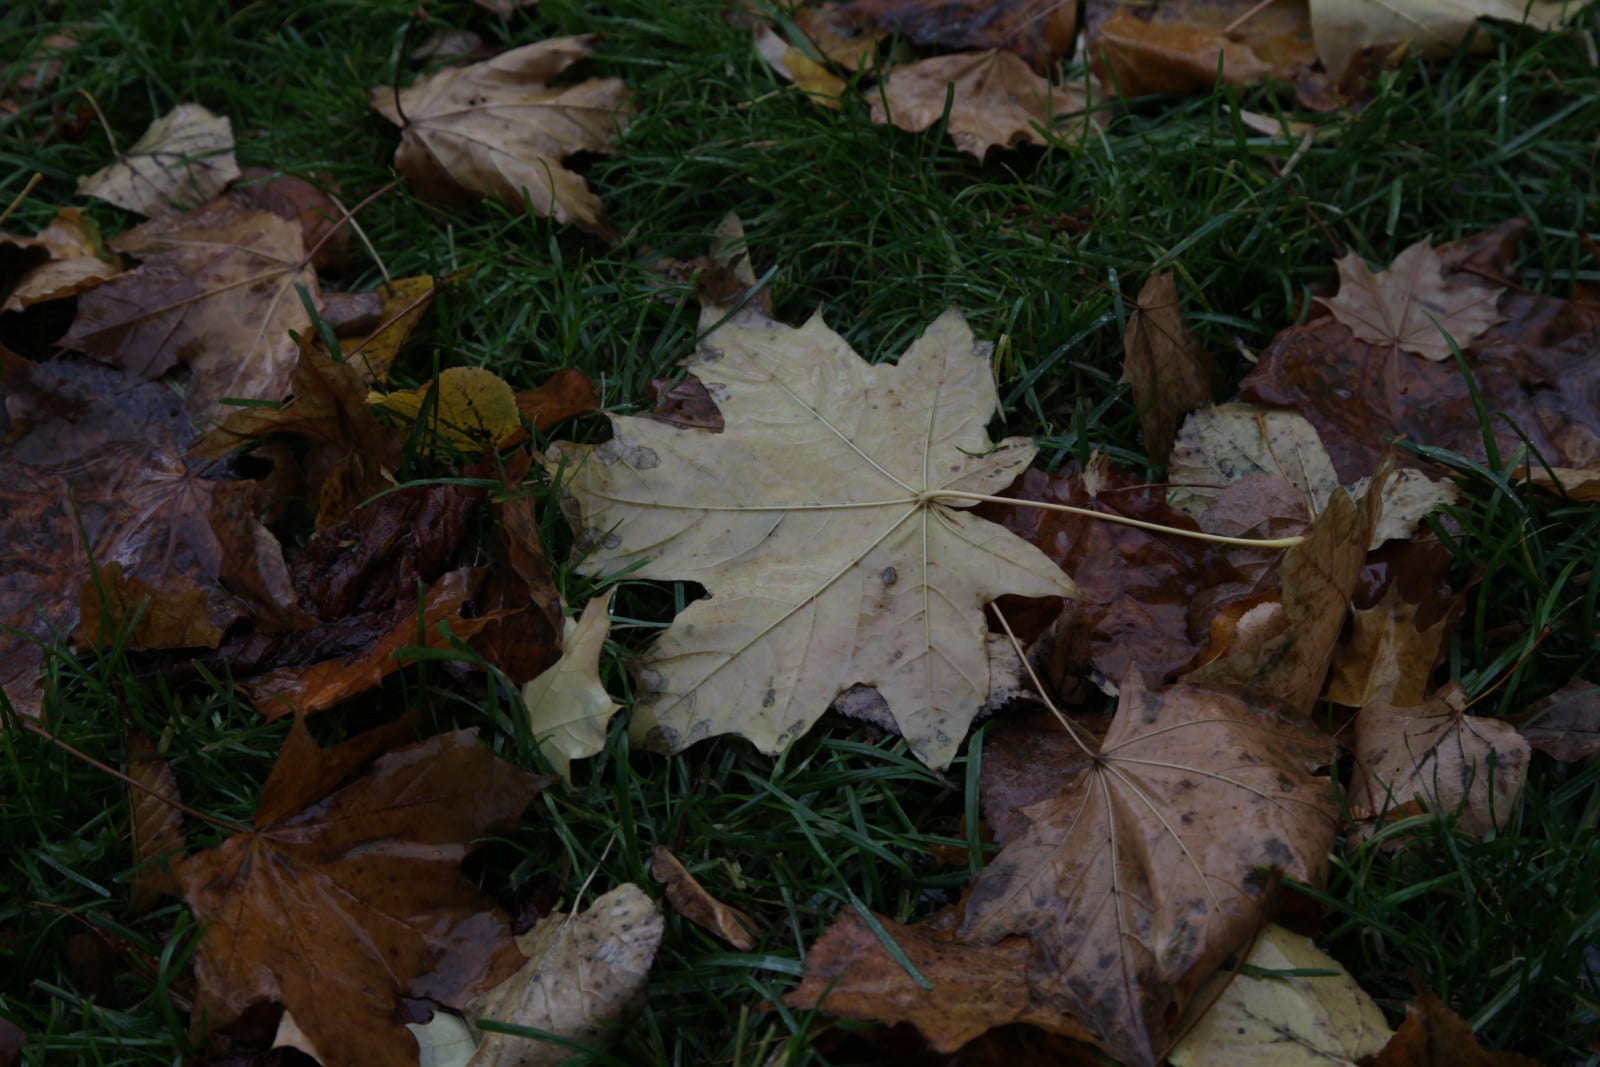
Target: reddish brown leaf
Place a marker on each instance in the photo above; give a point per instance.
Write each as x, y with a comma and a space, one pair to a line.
973, 989
1533, 371
155, 619
691, 900
526, 640
338, 904
567, 393
1435, 1036
1136, 588
1025, 763
157, 825
683, 403
214, 295
1178, 48
1039, 31
1169, 372
1147, 869
1566, 724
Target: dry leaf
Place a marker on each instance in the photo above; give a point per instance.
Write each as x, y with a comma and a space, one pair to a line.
691, 900
327, 237
1566, 724
1169, 372
1432, 28
1181, 48
1386, 657
1434, 1036
1152, 864
998, 101
343, 900
568, 706
215, 293
67, 259
155, 825
966, 990
583, 975
1292, 1020
814, 523
1037, 31
566, 394
1455, 764
1411, 306
184, 159
497, 129
473, 409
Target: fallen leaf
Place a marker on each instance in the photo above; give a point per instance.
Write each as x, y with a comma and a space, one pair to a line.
469, 407
214, 293
814, 521
1190, 47
568, 707
345, 898
1025, 763
1169, 372
966, 990
66, 259
1432, 28
1037, 31
1285, 1020
1457, 765
526, 642
833, 35
1386, 657
401, 306
1566, 724
1151, 865
505, 8
684, 403
1582, 486
691, 900
566, 394
497, 129
155, 824
184, 159
327, 237
110, 603
1434, 1036
1410, 306
998, 100
583, 975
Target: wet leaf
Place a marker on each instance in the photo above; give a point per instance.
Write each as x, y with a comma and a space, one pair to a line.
155, 824
1434, 1036
691, 900
184, 159
1410, 306
568, 706
1169, 372
346, 897
813, 521
567, 394
498, 129
1566, 724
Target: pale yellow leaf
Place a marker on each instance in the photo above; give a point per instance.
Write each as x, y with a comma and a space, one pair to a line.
184, 159
568, 706
815, 524
1434, 28
1295, 1020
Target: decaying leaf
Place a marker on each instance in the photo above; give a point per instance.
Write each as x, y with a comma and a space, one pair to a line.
155, 825
998, 100
1169, 372
582, 975
965, 990
1189, 47
1288, 1020
814, 520
568, 706
1435, 754
497, 129
1431, 27
327, 237
1150, 865
63, 259
1434, 1036
470, 408
215, 294
1387, 656
347, 897
566, 394
1410, 305
1566, 724
691, 900
1037, 31
184, 159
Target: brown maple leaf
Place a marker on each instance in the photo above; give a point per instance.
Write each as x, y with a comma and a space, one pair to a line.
998, 101
185, 158
1411, 306
1037, 31
1168, 370
1566, 724
216, 295
1181, 48
1434, 1036
345, 898
1152, 863
497, 129
63, 259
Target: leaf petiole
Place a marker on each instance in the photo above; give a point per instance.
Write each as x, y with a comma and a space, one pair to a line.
1121, 520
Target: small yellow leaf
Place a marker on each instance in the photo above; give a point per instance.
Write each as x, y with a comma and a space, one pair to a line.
1289, 1021
821, 84
568, 706
475, 411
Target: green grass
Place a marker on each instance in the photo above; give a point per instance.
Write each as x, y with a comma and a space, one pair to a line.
883, 230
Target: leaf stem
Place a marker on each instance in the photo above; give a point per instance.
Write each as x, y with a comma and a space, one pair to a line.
1120, 520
